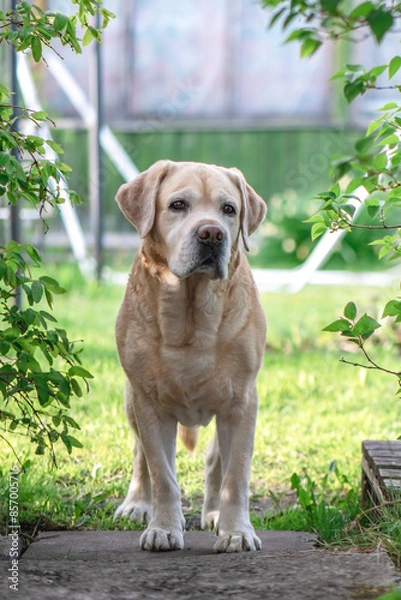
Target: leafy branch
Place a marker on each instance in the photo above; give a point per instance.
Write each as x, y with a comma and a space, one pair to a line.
371, 174
332, 20
40, 368
358, 331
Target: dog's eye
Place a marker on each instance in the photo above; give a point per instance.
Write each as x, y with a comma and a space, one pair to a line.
178, 205
228, 209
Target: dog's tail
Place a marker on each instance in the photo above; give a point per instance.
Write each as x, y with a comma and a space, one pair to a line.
188, 436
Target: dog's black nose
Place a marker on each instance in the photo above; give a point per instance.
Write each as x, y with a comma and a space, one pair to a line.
211, 235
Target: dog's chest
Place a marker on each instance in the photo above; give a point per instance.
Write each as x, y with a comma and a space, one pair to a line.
190, 385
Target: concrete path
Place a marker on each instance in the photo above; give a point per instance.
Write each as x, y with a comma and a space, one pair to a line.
108, 565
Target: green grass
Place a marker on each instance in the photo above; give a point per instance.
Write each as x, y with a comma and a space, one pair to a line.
313, 410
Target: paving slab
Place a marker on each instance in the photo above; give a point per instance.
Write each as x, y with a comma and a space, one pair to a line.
103, 565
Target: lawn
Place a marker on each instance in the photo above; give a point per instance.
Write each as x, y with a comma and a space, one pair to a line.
313, 410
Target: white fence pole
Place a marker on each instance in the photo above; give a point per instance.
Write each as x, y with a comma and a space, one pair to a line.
68, 214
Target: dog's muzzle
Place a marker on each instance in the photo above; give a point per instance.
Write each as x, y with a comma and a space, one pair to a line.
212, 250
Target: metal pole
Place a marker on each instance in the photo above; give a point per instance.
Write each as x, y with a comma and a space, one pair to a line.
14, 221
95, 155
15, 229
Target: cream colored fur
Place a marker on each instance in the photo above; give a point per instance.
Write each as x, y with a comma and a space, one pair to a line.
190, 336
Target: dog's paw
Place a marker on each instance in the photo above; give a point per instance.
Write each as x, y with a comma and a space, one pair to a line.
137, 510
237, 541
159, 540
210, 519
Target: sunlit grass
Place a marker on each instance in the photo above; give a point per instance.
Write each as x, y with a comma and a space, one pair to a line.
313, 409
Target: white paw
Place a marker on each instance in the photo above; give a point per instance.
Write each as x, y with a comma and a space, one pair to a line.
237, 541
159, 540
137, 510
210, 519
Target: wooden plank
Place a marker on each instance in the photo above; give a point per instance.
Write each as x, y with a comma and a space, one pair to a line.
390, 473
392, 447
370, 486
392, 483
387, 461
381, 470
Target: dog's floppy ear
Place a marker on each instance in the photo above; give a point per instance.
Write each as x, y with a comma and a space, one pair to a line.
253, 207
137, 199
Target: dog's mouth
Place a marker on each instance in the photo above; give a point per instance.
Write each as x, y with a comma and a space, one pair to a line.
211, 264
210, 261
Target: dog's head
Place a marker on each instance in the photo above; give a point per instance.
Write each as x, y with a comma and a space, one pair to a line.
195, 213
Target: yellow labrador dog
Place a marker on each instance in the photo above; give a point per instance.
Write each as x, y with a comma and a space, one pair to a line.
190, 336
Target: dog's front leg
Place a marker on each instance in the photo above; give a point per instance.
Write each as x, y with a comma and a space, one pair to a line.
236, 435
158, 437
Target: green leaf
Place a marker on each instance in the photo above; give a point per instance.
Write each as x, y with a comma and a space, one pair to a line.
88, 37
40, 115
363, 145
392, 309
299, 34
330, 5
374, 73
352, 90
388, 106
54, 146
33, 254
374, 125
350, 311
380, 22
365, 325
317, 230
276, 16
362, 10
80, 372
37, 291
373, 210
390, 140
338, 325
380, 161
52, 285
385, 251
36, 47
335, 189
394, 66
74, 442
354, 184
76, 388
60, 22
25, 43
67, 442
309, 47
47, 316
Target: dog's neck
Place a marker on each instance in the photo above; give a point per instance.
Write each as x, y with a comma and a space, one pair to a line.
187, 311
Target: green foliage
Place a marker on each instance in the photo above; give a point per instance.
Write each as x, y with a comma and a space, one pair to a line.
327, 512
371, 175
332, 20
357, 331
40, 369
30, 27
24, 173
393, 595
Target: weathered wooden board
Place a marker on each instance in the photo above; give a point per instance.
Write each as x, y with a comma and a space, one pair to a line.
381, 470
